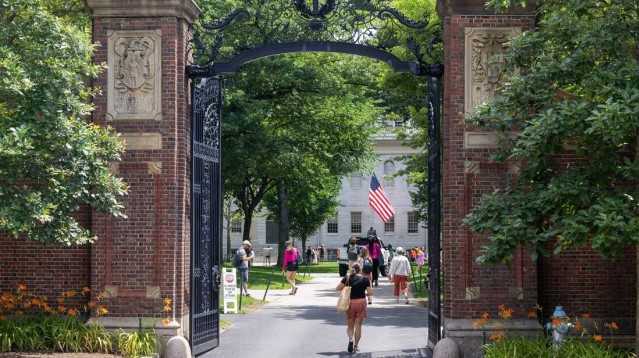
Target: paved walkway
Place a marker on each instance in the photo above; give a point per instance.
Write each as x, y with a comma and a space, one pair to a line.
307, 325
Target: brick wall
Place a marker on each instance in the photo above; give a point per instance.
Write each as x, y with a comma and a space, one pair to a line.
47, 269
471, 289
142, 259
580, 280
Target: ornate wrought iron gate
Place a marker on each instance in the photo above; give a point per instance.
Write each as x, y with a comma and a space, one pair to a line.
434, 73
207, 102
206, 202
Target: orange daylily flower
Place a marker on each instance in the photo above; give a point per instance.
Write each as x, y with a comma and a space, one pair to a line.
22, 287
578, 326
485, 316
505, 312
102, 310
61, 309
532, 313
92, 304
166, 321
70, 293
612, 325
556, 322
72, 312
168, 301
167, 309
597, 338
497, 336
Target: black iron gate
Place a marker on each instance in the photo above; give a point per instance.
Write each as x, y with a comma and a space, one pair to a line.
206, 207
206, 177
434, 73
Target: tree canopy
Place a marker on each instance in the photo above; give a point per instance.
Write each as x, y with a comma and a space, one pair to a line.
572, 88
52, 160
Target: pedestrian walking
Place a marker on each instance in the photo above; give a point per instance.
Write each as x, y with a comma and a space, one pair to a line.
399, 273
356, 313
420, 258
243, 257
290, 265
375, 250
352, 252
367, 267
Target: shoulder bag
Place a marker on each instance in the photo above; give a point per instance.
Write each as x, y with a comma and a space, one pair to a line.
344, 300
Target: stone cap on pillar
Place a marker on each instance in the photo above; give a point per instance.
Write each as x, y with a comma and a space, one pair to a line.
183, 9
478, 7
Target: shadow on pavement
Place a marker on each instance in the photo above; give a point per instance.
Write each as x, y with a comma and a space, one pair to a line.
406, 353
380, 316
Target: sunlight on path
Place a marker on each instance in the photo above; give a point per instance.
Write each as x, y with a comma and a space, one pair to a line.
307, 325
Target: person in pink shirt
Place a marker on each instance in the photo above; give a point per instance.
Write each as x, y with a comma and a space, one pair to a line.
290, 264
375, 251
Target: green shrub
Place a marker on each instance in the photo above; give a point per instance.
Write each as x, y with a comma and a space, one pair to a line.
46, 333
137, 344
541, 348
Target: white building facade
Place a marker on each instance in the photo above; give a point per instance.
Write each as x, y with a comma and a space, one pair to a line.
354, 215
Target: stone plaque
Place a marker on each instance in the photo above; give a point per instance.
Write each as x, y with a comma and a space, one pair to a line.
484, 62
134, 75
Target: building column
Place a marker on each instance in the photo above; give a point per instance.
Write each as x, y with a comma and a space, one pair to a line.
474, 39
140, 261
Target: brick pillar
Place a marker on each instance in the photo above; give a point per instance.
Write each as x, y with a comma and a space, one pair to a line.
473, 40
140, 260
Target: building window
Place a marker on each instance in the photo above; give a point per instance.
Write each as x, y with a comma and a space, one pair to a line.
413, 223
390, 225
356, 181
331, 225
356, 222
236, 225
389, 171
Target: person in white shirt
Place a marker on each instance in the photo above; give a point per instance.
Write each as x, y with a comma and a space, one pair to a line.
399, 273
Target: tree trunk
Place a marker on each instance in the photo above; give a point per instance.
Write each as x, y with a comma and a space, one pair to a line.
228, 215
282, 203
248, 221
304, 238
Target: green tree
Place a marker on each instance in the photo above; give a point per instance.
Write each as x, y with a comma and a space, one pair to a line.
313, 197
51, 160
282, 111
572, 85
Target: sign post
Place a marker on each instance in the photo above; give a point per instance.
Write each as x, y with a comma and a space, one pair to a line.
230, 290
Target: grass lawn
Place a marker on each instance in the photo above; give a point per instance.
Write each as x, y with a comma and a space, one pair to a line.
322, 267
419, 288
249, 304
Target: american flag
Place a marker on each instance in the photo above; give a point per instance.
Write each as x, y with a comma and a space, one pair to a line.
379, 202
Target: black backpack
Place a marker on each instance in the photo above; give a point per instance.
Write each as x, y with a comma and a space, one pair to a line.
367, 266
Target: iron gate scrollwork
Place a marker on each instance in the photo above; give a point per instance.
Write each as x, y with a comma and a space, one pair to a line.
434, 74
365, 20
206, 198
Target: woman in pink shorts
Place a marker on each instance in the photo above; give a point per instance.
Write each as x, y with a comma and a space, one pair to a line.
360, 288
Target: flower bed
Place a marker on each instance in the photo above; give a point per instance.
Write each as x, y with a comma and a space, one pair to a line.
542, 348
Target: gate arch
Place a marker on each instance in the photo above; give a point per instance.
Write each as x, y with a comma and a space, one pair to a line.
206, 156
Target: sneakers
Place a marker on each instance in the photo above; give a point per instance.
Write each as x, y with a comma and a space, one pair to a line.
350, 347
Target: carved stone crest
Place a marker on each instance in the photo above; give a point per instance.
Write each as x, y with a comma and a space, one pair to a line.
484, 62
134, 75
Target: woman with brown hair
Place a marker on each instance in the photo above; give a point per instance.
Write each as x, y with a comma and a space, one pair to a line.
367, 267
356, 313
